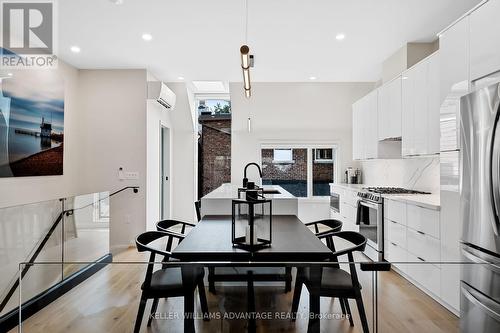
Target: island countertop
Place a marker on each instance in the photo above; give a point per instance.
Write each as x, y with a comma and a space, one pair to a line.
230, 191
218, 202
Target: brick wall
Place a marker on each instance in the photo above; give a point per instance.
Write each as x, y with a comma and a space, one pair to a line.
215, 154
323, 172
291, 171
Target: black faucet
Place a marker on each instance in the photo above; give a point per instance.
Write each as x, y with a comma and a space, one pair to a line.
245, 179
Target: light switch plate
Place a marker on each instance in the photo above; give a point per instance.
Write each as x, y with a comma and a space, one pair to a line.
128, 175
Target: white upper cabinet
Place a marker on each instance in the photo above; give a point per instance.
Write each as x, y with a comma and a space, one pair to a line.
484, 40
365, 128
454, 60
420, 108
389, 110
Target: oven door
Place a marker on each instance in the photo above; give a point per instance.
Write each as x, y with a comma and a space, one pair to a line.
369, 218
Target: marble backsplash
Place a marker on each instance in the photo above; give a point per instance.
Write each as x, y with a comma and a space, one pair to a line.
413, 173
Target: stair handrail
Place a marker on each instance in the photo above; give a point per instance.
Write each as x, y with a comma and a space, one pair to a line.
46, 238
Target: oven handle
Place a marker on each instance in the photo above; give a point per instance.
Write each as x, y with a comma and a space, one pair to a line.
368, 204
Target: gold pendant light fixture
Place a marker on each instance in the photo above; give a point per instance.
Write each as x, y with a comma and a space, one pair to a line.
246, 58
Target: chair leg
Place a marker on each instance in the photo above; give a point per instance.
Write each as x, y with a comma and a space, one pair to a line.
362, 314
140, 314
288, 279
348, 309
342, 306
153, 310
211, 282
203, 300
296, 294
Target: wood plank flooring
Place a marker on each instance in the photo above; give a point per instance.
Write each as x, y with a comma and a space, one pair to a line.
108, 302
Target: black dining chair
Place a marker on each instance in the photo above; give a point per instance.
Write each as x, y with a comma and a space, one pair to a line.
167, 281
167, 225
330, 225
335, 281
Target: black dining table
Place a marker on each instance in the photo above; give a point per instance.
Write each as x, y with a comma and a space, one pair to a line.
293, 244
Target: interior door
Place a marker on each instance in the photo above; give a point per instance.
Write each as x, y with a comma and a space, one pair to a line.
165, 172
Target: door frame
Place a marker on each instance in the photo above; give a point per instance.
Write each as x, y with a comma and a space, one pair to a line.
163, 126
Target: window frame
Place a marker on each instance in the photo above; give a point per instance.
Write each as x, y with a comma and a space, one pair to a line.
336, 153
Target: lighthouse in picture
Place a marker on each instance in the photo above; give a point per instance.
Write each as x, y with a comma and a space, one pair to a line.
45, 129
45, 133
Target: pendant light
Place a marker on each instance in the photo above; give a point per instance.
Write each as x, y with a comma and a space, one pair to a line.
246, 58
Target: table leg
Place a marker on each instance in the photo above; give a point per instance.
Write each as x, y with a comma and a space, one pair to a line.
189, 284
314, 299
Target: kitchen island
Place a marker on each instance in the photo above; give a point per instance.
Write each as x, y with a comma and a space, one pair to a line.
218, 202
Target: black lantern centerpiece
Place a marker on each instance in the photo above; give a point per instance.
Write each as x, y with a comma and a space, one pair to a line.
251, 227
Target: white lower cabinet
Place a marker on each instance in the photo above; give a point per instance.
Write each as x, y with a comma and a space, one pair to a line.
425, 274
425, 247
413, 246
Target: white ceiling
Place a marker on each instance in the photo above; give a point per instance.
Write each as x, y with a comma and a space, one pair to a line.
292, 39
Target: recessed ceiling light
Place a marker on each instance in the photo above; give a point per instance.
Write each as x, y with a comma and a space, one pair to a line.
312, 78
10, 74
147, 37
180, 78
340, 37
75, 49
117, 2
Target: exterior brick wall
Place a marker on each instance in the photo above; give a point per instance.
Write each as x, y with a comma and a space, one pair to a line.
215, 153
289, 171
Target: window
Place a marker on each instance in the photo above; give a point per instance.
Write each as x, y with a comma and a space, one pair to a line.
304, 171
323, 155
322, 171
282, 156
286, 168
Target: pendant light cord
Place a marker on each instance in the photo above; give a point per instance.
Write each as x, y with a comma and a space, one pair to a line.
246, 22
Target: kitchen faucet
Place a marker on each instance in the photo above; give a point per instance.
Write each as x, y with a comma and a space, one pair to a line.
245, 179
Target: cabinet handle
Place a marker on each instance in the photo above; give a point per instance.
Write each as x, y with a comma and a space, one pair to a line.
420, 259
421, 232
394, 244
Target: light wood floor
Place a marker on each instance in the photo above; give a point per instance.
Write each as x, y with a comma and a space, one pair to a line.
108, 302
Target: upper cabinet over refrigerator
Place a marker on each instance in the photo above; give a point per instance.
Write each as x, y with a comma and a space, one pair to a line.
484, 40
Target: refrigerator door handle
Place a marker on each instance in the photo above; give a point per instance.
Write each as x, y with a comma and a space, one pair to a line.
489, 306
495, 171
474, 257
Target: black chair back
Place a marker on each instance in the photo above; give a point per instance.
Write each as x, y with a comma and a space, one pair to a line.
332, 224
165, 225
197, 207
358, 242
143, 243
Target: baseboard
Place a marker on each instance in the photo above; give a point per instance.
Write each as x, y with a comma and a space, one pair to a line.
37, 303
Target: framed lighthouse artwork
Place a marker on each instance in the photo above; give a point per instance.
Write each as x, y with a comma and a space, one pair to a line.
31, 123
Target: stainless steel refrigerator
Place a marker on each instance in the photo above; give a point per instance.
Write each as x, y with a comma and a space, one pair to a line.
480, 210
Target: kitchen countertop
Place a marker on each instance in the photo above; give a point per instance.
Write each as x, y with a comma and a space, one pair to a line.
430, 201
230, 191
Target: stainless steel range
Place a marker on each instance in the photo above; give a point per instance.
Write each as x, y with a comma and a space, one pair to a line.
370, 217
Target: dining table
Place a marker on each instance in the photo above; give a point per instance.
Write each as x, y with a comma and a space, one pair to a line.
293, 245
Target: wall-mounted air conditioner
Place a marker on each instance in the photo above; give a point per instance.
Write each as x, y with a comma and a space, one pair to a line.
159, 91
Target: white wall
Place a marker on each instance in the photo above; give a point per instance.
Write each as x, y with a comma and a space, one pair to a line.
112, 134
183, 156
292, 112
